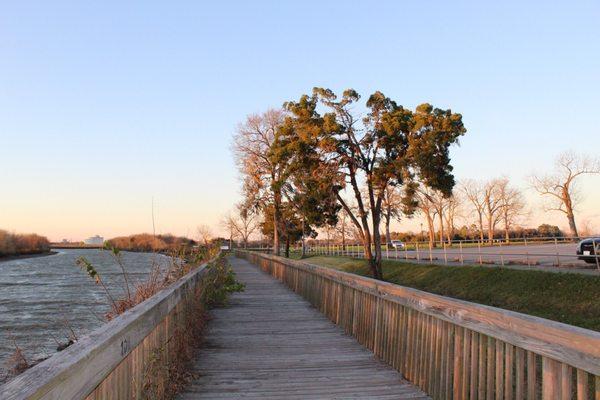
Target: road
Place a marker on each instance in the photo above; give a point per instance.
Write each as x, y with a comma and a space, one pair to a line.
543, 256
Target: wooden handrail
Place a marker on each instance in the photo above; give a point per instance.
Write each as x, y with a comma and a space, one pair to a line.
450, 348
111, 360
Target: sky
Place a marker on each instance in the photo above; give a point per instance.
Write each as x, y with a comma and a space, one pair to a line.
108, 107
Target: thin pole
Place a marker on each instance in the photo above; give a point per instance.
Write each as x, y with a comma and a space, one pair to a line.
595, 250
430, 254
526, 251
445, 255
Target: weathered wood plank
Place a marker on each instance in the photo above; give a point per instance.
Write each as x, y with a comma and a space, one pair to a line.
575, 346
269, 343
485, 352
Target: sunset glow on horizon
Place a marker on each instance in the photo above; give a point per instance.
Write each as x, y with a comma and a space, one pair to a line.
108, 108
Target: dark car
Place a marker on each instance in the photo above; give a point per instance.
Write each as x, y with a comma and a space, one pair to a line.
587, 249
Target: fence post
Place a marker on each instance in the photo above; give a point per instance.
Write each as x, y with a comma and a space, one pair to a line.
462, 259
557, 255
479, 247
501, 254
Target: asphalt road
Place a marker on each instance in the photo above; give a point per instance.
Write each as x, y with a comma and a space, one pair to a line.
545, 256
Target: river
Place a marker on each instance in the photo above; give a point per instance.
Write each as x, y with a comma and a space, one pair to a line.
43, 298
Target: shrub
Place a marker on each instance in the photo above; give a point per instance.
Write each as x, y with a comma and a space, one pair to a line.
14, 244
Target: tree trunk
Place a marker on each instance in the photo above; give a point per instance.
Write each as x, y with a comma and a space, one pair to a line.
481, 227
303, 253
490, 230
377, 270
441, 233
276, 220
287, 246
449, 231
431, 230
572, 226
388, 238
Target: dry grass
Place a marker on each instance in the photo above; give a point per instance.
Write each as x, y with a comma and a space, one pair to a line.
181, 262
168, 370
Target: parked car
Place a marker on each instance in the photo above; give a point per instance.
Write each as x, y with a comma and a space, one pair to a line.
587, 249
397, 244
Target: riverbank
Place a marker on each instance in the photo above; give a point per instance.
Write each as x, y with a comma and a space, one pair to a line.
563, 297
27, 255
47, 301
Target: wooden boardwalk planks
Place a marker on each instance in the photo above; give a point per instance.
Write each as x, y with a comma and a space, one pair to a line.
269, 343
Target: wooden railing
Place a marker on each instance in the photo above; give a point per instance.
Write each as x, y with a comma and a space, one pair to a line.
451, 349
116, 360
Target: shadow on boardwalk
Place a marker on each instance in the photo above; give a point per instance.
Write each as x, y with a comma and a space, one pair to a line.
269, 343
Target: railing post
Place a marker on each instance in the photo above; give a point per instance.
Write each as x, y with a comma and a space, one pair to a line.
462, 259
501, 255
479, 249
557, 255
417, 247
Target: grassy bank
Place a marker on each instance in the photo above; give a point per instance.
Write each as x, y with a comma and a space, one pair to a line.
568, 298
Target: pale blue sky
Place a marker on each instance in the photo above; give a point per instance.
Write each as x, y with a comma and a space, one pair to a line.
106, 104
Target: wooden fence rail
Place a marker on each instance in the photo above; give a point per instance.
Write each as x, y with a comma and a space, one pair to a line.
451, 349
115, 361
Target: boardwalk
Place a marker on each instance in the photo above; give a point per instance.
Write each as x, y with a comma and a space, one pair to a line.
271, 344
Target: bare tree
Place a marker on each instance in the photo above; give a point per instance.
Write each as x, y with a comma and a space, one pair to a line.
392, 208
204, 234
242, 224
343, 228
561, 185
452, 211
512, 206
492, 204
252, 144
474, 193
588, 228
426, 205
439, 203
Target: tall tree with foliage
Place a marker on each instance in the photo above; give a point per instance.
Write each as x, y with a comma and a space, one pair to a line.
308, 186
390, 146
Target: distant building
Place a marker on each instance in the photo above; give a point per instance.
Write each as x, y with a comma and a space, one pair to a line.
94, 241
